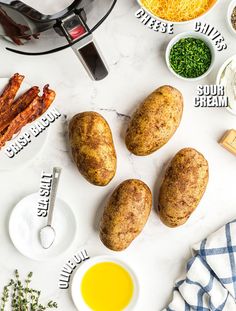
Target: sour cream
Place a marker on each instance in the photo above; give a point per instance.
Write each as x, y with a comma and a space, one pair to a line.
228, 80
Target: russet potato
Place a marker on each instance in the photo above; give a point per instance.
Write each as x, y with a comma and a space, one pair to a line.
92, 147
184, 184
125, 214
155, 121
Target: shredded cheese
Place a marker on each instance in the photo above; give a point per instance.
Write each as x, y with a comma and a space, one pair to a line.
178, 10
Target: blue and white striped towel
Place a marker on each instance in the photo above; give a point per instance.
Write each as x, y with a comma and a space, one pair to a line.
210, 282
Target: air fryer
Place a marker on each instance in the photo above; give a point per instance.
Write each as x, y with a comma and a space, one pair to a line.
30, 32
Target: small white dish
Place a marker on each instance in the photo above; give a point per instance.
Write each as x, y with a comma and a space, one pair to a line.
190, 34
78, 277
231, 6
177, 23
28, 153
219, 76
24, 227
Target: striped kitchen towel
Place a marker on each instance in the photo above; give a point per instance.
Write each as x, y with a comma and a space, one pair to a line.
210, 282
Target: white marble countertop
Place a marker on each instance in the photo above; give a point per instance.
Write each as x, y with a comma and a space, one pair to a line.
135, 56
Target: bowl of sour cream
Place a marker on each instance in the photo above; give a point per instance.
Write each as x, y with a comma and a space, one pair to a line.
227, 78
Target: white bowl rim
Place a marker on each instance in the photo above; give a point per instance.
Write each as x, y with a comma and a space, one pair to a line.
191, 34
177, 23
229, 13
219, 74
78, 276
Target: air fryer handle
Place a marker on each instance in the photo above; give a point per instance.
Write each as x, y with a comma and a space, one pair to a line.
91, 58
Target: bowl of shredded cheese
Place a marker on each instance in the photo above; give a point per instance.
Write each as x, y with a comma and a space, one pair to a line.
177, 11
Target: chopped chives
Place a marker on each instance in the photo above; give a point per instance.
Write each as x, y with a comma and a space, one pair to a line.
190, 57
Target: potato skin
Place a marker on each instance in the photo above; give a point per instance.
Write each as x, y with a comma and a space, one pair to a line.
184, 184
155, 121
92, 147
125, 214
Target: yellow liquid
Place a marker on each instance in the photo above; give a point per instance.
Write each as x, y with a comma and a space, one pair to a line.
107, 287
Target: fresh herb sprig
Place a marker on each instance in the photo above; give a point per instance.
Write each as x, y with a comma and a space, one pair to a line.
190, 57
21, 297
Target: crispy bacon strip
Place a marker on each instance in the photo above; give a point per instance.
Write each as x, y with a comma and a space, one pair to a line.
38, 106
17, 107
3, 132
9, 93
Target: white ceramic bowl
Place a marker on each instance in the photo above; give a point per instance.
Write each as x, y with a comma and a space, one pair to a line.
78, 277
176, 23
196, 35
24, 226
231, 6
219, 75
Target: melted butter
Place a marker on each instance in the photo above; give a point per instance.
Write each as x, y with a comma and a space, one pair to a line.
107, 287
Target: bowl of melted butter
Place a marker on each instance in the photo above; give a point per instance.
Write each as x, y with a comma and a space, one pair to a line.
105, 283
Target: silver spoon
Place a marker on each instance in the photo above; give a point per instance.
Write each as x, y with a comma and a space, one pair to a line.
47, 234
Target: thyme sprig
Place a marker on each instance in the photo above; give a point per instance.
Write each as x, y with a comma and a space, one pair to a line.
22, 297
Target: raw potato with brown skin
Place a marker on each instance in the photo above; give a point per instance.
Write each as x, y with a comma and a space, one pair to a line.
184, 184
125, 214
92, 147
155, 121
